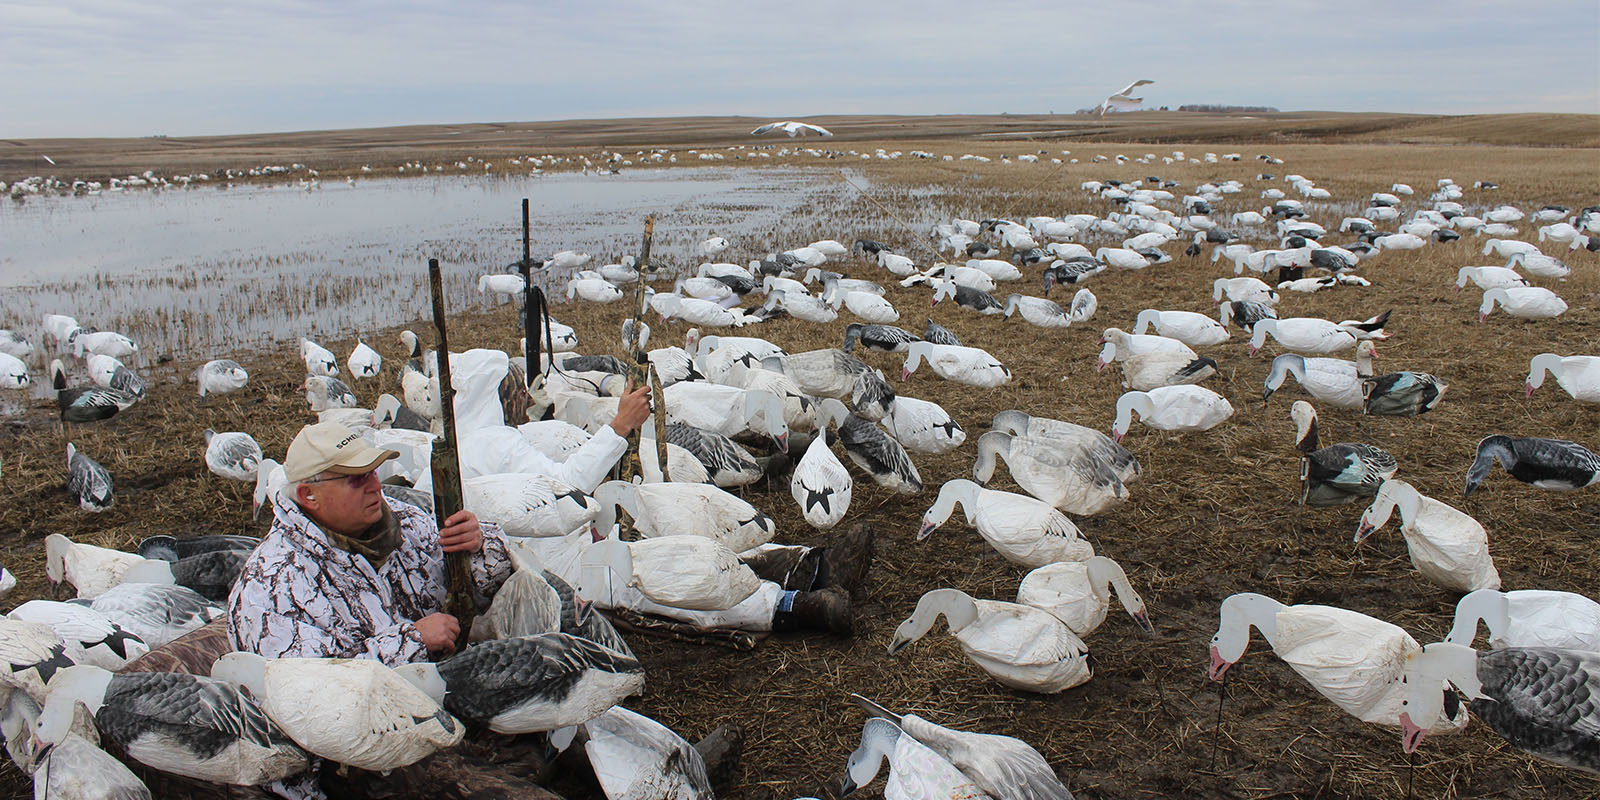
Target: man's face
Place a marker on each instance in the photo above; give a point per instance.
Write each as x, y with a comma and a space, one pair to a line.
346, 504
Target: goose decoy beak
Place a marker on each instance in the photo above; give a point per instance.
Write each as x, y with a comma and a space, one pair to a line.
1218, 666
1143, 618
898, 644
1364, 530
926, 528
1411, 736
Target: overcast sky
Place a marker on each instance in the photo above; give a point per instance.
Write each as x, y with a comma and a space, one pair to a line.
192, 67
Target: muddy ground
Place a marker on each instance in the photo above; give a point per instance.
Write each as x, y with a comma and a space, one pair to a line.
1214, 513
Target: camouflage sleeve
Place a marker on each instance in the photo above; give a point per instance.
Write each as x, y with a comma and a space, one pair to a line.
491, 565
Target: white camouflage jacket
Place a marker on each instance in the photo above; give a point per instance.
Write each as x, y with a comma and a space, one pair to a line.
299, 596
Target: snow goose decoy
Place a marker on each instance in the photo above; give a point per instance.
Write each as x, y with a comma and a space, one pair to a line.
635, 756
820, 484
318, 359
1070, 474
1338, 473
697, 312
107, 372
1579, 376
1329, 380
155, 612
13, 372
232, 455
968, 365
914, 770
1000, 765
1019, 646
526, 504
88, 482
1195, 330
1528, 618
1079, 593
1147, 371
1526, 302
13, 345
724, 461
967, 297
1122, 345
1447, 546
803, 306
104, 643
882, 338
685, 572
679, 509
75, 769
1350, 658
922, 426
91, 570
1401, 394
1171, 408
364, 362
1243, 290
86, 405
188, 725
868, 306
1539, 264
221, 376
324, 393
530, 684
1302, 335
1544, 700
1554, 464
354, 711
1121, 258
1038, 311
31, 655
594, 290
834, 373
1489, 278
939, 334
105, 343
1022, 529
879, 454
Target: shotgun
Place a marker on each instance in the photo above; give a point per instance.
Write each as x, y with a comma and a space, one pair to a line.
447, 475
639, 371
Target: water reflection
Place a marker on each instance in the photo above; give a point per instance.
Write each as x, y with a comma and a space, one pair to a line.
211, 270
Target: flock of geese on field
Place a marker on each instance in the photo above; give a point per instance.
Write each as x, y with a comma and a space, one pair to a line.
736, 407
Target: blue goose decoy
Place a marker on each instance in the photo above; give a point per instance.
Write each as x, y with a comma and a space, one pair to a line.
530, 683
171, 548
1401, 394
220, 376
1554, 464
882, 338
1544, 700
1339, 473
939, 334
86, 405
879, 454
188, 725
87, 481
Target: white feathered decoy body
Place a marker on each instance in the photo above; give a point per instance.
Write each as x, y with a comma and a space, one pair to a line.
1024, 530
1020, 646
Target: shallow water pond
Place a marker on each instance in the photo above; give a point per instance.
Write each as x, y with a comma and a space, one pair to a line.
208, 271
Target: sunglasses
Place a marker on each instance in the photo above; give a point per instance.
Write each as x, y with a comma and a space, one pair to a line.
353, 481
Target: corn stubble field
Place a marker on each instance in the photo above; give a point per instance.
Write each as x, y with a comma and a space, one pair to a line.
1214, 513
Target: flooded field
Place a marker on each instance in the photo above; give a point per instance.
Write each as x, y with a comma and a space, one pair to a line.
188, 273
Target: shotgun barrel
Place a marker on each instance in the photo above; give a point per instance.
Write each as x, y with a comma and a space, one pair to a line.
446, 466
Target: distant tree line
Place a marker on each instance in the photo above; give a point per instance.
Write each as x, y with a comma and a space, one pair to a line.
1215, 108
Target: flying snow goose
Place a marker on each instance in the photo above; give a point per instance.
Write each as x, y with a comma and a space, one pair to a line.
530, 684
882, 338
1543, 700
1579, 376
1539, 264
1338, 473
820, 484
318, 359
922, 426
1195, 330
1330, 380
1527, 302
1528, 618
1069, 474
686, 572
1019, 646
86, 405
1489, 278
232, 455
1302, 335
1000, 765
527, 504
1447, 545
1554, 464
188, 725
88, 482
968, 365
355, 711
1350, 658
1022, 529
914, 770
792, 128
685, 509
1171, 408
1078, 592
220, 376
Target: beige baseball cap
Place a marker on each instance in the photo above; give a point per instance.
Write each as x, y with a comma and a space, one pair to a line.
330, 447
